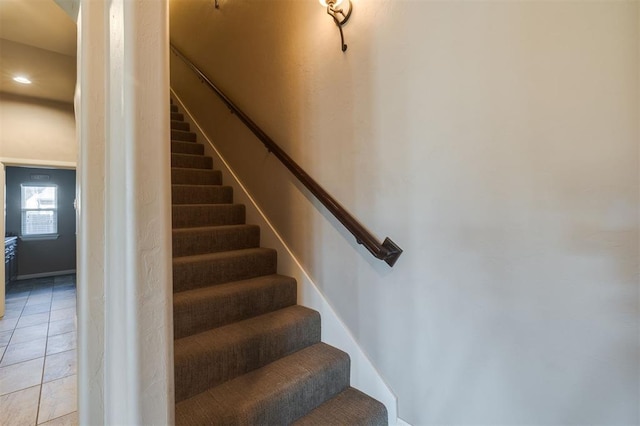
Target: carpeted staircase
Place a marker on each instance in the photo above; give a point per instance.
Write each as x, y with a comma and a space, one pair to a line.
245, 352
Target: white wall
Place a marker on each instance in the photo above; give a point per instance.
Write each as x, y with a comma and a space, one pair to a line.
496, 143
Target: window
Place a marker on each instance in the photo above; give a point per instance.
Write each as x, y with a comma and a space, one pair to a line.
39, 205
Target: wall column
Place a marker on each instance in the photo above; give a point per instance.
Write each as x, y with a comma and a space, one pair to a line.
125, 329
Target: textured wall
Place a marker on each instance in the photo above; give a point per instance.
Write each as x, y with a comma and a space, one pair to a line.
496, 142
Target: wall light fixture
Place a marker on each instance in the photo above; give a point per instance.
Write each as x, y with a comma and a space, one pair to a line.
338, 15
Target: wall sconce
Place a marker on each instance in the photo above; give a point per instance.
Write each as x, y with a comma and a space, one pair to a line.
338, 15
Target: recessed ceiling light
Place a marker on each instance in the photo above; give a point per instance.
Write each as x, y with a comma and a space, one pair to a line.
22, 79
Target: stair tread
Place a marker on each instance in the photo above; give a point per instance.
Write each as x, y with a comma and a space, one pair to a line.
186, 142
207, 205
211, 239
199, 185
215, 356
221, 255
350, 407
207, 269
189, 194
233, 301
186, 155
189, 169
253, 325
197, 229
277, 393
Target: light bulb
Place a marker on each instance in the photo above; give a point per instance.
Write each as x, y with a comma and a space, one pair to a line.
21, 79
325, 3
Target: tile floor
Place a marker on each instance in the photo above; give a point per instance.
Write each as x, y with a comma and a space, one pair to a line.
38, 353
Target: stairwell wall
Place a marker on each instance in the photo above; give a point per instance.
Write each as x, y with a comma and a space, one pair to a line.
496, 143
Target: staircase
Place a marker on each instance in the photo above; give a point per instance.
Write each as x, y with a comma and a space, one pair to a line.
245, 352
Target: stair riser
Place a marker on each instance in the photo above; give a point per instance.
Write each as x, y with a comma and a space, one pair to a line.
233, 302
226, 355
174, 108
197, 274
187, 194
191, 161
179, 135
179, 125
175, 116
187, 148
193, 216
195, 177
215, 240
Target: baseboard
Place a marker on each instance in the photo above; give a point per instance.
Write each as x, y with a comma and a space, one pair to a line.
45, 274
401, 422
364, 375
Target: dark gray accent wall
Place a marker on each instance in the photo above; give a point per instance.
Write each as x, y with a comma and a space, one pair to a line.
43, 256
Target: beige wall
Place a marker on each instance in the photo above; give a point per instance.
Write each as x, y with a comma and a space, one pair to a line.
33, 130
496, 143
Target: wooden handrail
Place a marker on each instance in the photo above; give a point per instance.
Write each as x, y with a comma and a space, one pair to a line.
387, 251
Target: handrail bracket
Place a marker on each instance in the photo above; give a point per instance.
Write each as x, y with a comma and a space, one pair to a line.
393, 252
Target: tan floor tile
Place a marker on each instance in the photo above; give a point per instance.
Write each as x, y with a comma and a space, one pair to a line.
5, 336
62, 304
62, 326
20, 408
17, 295
35, 319
36, 309
11, 314
38, 299
61, 343
65, 313
8, 323
20, 376
17, 303
27, 334
68, 420
58, 398
18, 352
64, 294
60, 365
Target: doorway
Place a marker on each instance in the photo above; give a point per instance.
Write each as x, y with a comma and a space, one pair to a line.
38, 331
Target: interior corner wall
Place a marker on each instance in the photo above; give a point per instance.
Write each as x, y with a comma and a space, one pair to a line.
495, 142
33, 130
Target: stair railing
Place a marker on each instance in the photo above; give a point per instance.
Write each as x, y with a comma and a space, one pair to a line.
387, 251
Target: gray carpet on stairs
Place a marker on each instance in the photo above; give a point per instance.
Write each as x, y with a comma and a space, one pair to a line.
244, 352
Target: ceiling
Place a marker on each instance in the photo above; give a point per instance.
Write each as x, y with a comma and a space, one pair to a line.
37, 40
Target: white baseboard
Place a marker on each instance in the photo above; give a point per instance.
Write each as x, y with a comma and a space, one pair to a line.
364, 375
401, 422
45, 274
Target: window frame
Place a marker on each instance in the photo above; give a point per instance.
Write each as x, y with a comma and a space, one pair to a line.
23, 210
